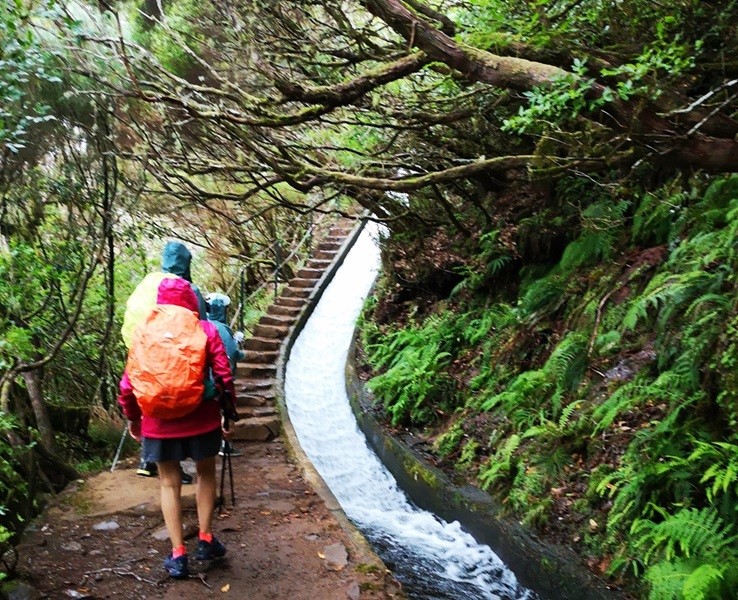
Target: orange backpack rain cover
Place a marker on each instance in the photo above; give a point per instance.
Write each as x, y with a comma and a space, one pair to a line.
166, 362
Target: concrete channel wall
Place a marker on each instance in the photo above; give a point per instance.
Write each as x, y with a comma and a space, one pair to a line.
553, 572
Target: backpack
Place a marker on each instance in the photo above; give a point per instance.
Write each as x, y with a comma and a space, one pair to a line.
140, 303
166, 362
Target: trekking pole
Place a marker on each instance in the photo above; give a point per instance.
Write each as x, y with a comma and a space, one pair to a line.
120, 447
229, 414
230, 472
223, 466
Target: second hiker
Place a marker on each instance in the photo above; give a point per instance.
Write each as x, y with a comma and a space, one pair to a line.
218, 304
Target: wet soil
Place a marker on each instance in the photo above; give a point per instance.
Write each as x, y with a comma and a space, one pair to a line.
104, 537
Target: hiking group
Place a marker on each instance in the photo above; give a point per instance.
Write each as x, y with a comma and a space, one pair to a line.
179, 369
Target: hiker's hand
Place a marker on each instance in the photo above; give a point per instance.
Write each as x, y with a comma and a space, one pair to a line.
134, 428
226, 433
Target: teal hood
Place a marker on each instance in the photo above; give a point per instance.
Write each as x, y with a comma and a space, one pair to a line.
176, 259
217, 310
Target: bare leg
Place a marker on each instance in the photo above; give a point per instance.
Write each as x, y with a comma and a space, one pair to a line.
205, 493
171, 500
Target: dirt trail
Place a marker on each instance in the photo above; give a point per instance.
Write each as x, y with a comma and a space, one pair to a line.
105, 538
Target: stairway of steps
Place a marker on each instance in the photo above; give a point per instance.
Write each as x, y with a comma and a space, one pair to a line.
256, 375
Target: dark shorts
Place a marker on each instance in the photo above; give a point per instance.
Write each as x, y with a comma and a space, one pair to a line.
197, 447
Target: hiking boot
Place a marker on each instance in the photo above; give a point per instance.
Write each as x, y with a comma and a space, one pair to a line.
210, 550
177, 567
147, 469
186, 477
230, 448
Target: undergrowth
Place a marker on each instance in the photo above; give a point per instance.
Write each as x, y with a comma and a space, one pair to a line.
604, 393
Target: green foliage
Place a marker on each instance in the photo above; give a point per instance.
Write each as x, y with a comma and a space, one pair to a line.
623, 399
178, 40
493, 258
25, 66
539, 394
544, 295
688, 554
601, 226
15, 505
665, 58
558, 103
719, 461
501, 465
657, 213
448, 442
414, 378
469, 452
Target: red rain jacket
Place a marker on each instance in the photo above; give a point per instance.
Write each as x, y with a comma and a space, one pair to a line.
206, 417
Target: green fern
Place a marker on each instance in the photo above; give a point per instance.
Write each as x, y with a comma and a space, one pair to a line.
668, 580
689, 533
566, 415
601, 225
469, 452
500, 465
667, 292
620, 401
406, 387
521, 390
720, 460
447, 443
543, 295
658, 211
687, 554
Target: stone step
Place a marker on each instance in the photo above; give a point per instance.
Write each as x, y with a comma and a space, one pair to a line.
318, 263
261, 357
297, 292
258, 344
325, 254
254, 384
300, 283
283, 310
330, 245
256, 429
271, 332
250, 412
256, 370
291, 302
252, 400
308, 273
278, 320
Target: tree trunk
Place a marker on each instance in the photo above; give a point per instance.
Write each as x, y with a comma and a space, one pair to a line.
683, 142
40, 411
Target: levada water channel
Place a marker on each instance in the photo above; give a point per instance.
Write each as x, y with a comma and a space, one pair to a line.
432, 559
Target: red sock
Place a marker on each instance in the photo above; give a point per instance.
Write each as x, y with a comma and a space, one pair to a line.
206, 537
177, 552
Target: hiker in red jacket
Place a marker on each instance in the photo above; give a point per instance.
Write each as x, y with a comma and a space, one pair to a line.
195, 435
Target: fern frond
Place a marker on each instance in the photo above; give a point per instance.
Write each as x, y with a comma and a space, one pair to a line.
567, 413
721, 459
689, 533
704, 582
667, 579
500, 463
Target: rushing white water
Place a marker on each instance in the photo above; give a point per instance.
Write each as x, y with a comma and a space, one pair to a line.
432, 558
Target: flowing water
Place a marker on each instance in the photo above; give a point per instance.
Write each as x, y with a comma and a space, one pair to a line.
432, 558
